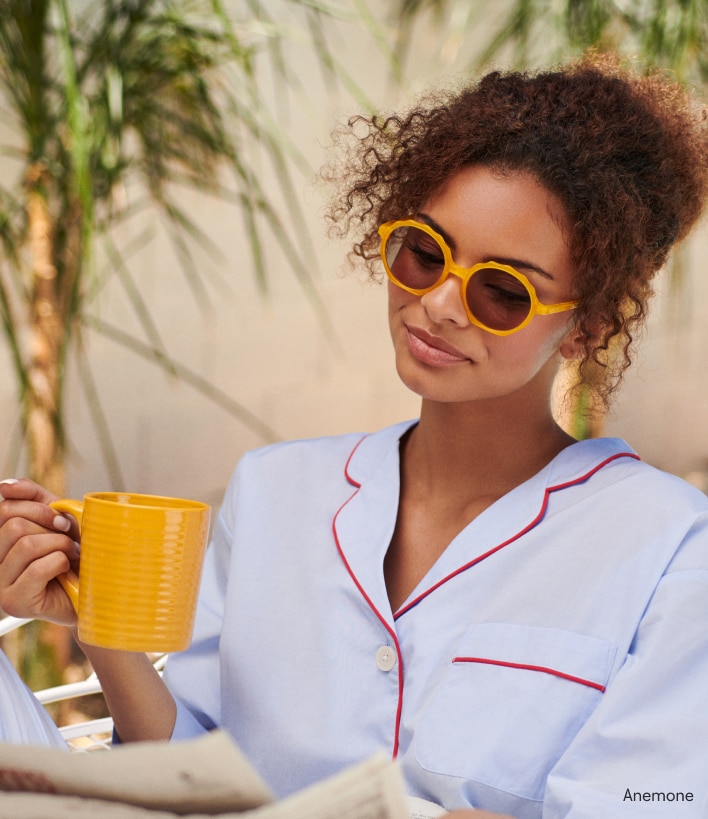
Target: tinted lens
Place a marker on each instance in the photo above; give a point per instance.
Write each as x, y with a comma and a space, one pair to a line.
498, 299
414, 257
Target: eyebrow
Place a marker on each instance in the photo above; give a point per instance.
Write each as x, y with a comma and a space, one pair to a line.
423, 217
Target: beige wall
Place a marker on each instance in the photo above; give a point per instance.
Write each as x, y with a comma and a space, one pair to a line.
663, 407
274, 358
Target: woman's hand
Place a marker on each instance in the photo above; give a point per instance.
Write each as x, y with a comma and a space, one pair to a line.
36, 545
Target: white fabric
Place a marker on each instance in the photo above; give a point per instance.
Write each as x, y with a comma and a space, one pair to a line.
23, 719
544, 677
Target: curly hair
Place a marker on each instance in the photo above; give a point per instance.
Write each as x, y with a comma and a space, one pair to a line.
625, 153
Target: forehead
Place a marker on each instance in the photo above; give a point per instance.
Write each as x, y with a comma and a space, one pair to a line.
519, 196
488, 213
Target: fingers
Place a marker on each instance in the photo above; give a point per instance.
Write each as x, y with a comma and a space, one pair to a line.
27, 500
25, 489
37, 514
36, 544
28, 585
22, 542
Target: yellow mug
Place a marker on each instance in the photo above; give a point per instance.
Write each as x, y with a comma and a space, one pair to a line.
141, 563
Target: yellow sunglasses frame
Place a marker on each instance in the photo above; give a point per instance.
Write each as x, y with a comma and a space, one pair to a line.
537, 307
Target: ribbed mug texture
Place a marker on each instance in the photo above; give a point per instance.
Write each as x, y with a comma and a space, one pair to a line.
141, 559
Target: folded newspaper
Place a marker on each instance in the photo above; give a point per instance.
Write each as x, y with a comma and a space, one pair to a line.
195, 779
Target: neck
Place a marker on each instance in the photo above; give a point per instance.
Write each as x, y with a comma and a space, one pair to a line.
485, 447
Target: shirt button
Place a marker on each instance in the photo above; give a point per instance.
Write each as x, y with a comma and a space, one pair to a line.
385, 658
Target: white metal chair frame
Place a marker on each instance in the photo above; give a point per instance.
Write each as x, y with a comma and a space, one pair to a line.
90, 735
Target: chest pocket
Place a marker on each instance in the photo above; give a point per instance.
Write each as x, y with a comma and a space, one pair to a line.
511, 702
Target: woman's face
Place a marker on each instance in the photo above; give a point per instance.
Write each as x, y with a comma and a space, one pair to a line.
486, 216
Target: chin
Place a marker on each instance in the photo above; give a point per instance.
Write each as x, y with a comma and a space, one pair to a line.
433, 386
447, 387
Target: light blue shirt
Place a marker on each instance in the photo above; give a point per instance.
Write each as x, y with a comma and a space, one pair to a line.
23, 720
551, 662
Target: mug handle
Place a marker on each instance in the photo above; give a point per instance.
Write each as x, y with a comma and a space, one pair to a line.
70, 580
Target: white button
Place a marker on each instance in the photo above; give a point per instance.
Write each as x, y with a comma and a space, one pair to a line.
385, 658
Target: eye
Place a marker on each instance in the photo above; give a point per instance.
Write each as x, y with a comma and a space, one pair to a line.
415, 259
503, 289
508, 295
425, 249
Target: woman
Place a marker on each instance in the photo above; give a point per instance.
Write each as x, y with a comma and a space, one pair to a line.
519, 618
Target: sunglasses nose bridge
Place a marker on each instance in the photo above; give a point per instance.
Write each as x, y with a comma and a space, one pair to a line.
462, 273
445, 300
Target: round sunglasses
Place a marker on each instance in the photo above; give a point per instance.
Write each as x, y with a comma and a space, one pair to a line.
496, 297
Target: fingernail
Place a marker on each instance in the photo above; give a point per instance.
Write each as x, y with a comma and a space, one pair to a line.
9, 482
61, 523
77, 549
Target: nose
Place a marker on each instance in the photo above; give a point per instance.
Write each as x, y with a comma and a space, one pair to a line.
444, 303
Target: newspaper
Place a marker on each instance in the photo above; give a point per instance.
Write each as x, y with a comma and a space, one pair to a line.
422, 809
204, 777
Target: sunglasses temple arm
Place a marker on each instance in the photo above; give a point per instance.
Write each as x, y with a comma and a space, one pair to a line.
548, 309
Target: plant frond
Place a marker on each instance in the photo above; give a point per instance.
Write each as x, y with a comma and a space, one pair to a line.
116, 107
179, 224
301, 272
137, 302
185, 374
24, 71
330, 62
107, 447
12, 330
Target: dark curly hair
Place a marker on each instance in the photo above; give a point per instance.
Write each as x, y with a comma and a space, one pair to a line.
625, 153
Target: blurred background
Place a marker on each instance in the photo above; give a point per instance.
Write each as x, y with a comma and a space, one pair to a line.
168, 295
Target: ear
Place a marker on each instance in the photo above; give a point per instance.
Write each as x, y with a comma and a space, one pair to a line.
574, 344
572, 348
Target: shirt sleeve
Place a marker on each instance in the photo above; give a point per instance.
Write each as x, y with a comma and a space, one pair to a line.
23, 720
644, 750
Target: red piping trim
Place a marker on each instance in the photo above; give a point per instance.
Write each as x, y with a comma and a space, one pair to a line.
527, 667
533, 524
346, 469
382, 619
437, 585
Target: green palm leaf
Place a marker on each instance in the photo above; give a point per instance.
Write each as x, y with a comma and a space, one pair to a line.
119, 106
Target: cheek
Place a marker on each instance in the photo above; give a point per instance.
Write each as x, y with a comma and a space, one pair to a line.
398, 299
537, 343
396, 295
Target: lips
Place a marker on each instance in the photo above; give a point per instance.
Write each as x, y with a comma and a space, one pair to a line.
432, 350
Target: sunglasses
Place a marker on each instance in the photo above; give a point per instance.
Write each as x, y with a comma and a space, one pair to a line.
496, 297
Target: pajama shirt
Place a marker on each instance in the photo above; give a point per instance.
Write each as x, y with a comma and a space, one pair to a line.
23, 720
553, 662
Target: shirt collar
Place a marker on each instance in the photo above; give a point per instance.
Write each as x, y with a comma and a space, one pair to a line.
570, 466
364, 525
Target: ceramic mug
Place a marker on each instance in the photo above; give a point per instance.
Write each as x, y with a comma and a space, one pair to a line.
141, 563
